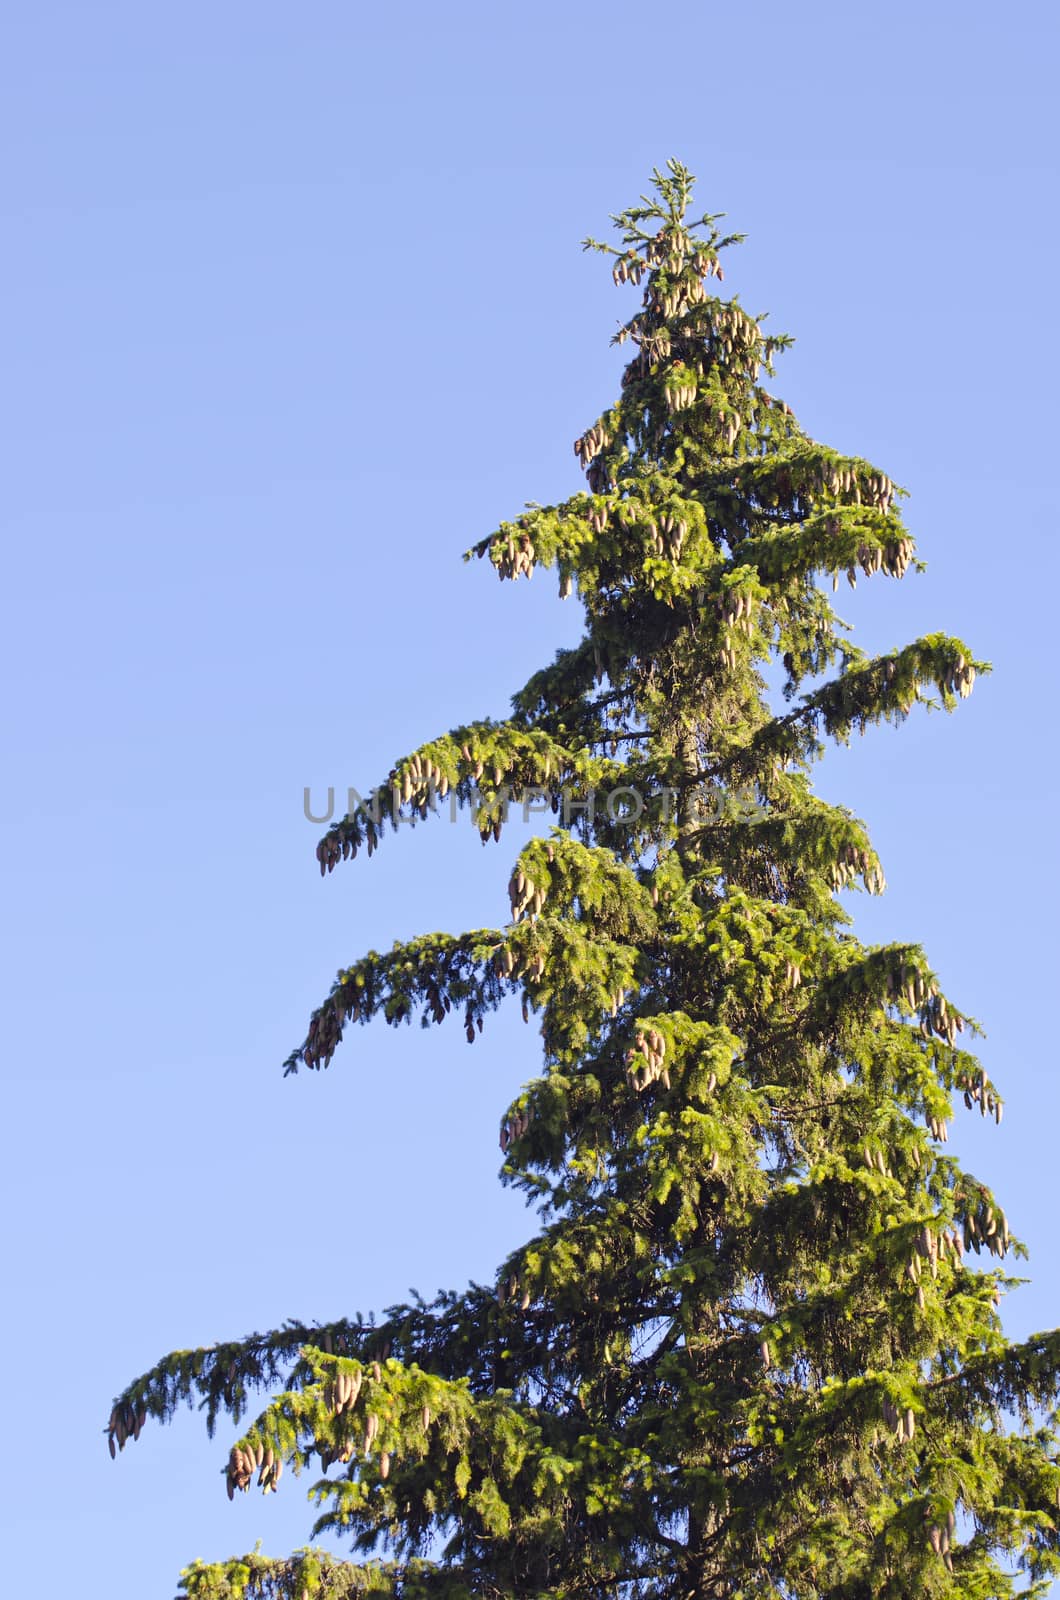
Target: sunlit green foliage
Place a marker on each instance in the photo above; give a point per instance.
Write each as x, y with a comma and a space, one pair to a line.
747, 1352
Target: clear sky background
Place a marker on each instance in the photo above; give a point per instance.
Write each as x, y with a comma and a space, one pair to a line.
292, 310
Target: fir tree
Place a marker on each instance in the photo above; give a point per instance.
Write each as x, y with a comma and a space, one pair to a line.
748, 1352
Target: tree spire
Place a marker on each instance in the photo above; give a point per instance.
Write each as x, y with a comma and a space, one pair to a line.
747, 1351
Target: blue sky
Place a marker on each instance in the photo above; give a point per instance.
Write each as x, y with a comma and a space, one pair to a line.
293, 310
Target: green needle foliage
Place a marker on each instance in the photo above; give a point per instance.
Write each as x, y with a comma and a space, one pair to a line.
748, 1352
